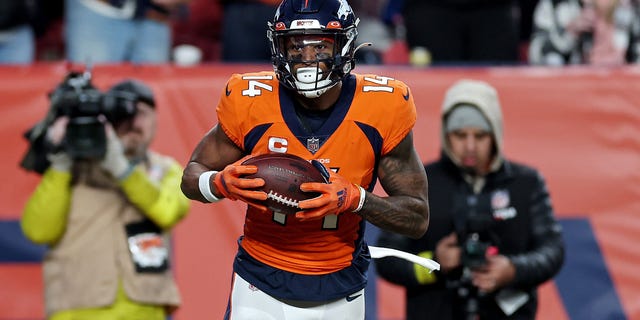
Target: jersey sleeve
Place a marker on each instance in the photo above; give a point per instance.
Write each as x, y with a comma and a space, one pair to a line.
246, 102
404, 116
385, 105
227, 113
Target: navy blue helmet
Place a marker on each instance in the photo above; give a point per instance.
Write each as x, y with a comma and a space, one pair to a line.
329, 19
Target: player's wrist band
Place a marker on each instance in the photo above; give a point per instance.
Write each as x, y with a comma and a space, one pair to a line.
361, 201
204, 183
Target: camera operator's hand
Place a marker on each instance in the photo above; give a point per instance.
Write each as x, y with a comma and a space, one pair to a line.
57, 130
497, 273
60, 160
448, 253
114, 161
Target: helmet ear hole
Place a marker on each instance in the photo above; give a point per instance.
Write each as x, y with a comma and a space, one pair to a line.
332, 19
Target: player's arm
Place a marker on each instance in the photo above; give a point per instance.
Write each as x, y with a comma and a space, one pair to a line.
216, 152
406, 209
213, 152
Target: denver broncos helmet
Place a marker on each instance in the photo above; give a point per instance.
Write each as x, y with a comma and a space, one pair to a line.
330, 19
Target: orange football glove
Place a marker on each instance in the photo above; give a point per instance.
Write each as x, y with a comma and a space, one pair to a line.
230, 183
337, 196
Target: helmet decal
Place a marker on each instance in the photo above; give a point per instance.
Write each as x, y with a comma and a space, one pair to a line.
344, 10
334, 25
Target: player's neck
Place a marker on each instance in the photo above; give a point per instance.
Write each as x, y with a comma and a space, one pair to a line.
323, 102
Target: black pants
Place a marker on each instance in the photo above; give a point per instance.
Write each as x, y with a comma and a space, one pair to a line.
478, 35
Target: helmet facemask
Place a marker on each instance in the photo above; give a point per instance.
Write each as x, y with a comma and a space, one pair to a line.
332, 37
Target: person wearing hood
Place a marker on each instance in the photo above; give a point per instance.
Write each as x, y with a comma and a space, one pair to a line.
492, 226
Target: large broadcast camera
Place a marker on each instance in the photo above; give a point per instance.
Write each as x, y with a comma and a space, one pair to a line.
474, 228
87, 109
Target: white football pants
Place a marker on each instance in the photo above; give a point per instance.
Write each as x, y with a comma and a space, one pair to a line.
250, 303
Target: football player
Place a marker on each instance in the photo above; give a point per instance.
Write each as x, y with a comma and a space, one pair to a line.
312, 264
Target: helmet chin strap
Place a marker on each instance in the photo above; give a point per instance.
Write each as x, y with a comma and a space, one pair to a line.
309, 84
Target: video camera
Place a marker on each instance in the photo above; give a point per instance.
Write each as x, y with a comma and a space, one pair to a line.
88, 109
474, 224
474, 227
477, 244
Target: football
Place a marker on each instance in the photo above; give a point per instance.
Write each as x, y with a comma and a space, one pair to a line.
283, 173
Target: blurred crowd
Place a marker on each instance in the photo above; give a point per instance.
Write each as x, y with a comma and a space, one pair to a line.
416, 32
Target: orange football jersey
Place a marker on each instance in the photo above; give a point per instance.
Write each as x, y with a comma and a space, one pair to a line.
372, 115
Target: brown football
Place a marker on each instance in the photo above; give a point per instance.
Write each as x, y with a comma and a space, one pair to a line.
283, 173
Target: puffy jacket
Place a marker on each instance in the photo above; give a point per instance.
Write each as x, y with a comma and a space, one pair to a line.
531, 239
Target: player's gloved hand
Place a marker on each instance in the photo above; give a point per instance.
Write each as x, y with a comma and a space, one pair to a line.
60, 160
337, 196
230, 183
114, 161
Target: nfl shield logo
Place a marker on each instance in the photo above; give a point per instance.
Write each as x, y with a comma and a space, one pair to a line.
500, 199
313, 144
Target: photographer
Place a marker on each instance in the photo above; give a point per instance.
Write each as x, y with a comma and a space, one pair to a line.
492, 227
105, 207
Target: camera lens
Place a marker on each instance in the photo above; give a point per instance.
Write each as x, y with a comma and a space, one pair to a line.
85, 138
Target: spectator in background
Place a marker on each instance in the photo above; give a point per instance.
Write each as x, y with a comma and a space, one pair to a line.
463, 31
243, 30
48, 26
492, 226
526, 24
371, 30
107, 221
17, 40
113, 31
200, 26
596, 32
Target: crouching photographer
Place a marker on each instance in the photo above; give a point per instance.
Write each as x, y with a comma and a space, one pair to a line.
105, 205
492, 226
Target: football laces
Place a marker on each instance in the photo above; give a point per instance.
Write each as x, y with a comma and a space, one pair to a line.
281, 199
